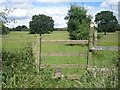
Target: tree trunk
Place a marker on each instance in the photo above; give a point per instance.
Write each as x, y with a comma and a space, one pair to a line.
104, 33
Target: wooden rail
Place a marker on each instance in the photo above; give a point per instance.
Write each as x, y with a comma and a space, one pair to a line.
105, 48
68, 77
100, 69
63, 66
63, 54
82, 42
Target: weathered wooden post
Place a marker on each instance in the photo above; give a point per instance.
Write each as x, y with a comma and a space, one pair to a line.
95, 40
36, 52
90, 43
40, 54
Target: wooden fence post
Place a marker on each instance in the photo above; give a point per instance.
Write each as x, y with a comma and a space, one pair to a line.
37, 54
40, 53
90, 43
95, 40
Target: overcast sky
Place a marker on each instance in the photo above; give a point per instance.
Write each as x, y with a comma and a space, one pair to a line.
57, 9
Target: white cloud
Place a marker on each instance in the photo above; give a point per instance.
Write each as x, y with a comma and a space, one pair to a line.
22, 13
21, 0
25, 10
2, 1
108, 3
18, 13
19, 22
111, 5
57, 13
52, 1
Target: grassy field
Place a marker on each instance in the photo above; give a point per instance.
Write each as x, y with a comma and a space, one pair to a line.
18, 40
111, 39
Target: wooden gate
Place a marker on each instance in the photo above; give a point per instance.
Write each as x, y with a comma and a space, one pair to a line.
92, 45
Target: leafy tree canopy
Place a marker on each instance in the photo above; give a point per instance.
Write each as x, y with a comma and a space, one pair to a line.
78, 22
106, 22
41, 24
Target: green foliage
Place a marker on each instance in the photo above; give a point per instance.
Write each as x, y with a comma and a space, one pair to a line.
20, 28
19, 72
78, 22
82, 32
99, 36
4, 20
16, 62
41, 24
5, 30
106, 22
111, 39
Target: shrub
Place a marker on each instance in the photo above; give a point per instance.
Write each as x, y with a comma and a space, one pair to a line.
99, 36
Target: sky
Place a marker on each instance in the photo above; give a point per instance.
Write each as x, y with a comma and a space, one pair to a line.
57, 9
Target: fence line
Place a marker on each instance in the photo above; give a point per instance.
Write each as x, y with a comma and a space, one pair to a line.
63, 66
63, 54
83, 42
112, 48
90, 43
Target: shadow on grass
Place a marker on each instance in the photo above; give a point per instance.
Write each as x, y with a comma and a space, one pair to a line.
74, 45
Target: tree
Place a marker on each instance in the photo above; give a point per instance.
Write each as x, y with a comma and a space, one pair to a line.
78, 22
4, 20
41, 24
24, 27
106, 22
5, 30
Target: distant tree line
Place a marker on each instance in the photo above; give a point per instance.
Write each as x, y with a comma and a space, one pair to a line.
60, 29
19, 28
78, 23
6, 30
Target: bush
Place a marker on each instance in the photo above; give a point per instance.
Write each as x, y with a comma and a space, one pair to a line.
99, 36
16, 62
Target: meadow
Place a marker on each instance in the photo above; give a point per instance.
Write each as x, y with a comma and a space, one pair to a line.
18, 40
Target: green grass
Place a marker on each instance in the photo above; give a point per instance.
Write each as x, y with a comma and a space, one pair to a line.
56, 35
63, 48
64, 60
18, 40
111, 39
105, 58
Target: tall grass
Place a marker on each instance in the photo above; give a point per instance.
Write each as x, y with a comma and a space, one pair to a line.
106, 76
